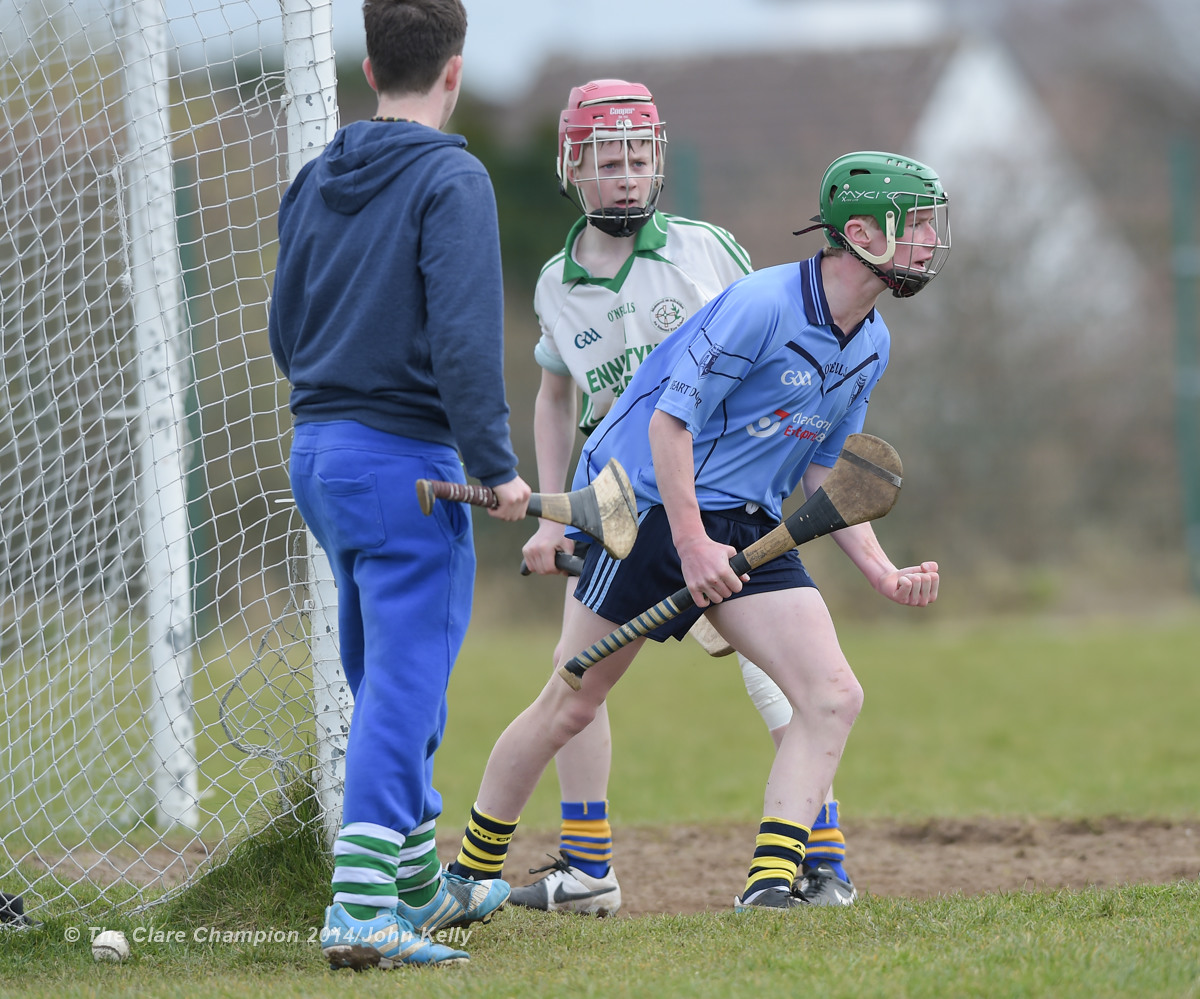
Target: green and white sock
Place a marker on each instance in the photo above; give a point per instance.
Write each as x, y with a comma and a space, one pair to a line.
418, 875
365, 859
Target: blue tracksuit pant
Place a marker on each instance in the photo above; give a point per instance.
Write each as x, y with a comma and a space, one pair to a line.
404, 583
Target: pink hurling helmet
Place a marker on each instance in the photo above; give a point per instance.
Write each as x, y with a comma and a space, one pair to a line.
610, 111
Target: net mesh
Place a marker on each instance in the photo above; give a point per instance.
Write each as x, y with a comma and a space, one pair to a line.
155, 679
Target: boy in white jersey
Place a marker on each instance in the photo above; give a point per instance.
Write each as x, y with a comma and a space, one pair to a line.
627, 277
754, 395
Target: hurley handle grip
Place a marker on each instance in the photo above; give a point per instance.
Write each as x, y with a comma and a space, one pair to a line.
572, 565
796, 530
429, 490
665, 610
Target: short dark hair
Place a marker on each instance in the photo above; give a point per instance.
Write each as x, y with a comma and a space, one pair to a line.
410, 41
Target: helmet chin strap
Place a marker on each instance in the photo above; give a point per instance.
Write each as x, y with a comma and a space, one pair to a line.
903, 283
907, 284
614, 222
874, 258
862, 253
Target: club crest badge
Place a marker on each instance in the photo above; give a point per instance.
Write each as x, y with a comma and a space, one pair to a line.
709, 358
668, 314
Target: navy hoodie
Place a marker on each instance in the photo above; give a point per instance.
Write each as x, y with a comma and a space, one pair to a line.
387, 306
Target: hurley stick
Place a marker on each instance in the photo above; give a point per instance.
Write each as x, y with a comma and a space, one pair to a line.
606, 509
862, 485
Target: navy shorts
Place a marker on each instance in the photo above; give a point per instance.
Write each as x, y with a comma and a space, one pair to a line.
621, 590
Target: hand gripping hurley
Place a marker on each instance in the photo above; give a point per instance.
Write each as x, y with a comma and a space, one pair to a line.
606, 509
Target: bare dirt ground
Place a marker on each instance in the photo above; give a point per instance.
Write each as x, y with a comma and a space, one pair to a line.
700, 868
689, 869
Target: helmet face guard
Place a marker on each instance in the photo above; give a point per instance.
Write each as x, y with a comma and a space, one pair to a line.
619, 123
905, 199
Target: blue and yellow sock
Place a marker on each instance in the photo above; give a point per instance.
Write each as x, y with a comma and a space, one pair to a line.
365, 858
827, 844
484, 846
778, 853
586, 837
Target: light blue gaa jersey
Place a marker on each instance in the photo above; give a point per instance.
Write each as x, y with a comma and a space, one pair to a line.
764, 381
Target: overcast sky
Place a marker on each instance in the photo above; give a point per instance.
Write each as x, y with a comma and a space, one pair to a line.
508, 40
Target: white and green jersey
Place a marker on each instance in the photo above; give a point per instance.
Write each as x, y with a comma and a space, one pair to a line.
598, 330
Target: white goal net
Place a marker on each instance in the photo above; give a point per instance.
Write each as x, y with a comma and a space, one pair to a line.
156, 679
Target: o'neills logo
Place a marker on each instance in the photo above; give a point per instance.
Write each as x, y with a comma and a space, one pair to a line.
668, 314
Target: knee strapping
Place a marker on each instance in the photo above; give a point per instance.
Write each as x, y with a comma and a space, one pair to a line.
771, 702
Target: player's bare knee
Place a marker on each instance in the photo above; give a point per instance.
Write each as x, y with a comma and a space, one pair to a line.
576, 715
844, 703
853, 700
840, 705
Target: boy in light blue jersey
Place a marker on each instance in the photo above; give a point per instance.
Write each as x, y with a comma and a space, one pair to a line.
627, 277
802, 389
752, 396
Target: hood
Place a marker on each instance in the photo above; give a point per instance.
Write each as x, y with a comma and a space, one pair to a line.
365, 156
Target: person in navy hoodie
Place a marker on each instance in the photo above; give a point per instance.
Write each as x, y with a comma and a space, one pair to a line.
387, 320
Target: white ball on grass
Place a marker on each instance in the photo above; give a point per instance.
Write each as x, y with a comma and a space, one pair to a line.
110, 945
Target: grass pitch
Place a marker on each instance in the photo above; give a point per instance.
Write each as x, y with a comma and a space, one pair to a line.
1013, 718
1130, 942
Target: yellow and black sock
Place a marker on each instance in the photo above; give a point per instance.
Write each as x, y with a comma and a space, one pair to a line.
586, 837
484, 846
827, 843
778, 853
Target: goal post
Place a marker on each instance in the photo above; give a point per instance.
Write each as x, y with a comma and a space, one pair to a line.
156, 288
312, 118
156, 693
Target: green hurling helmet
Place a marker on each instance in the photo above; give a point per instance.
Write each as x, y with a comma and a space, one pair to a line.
887, 187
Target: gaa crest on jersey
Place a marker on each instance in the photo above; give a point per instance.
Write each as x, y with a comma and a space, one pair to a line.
668, 314
588, 336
